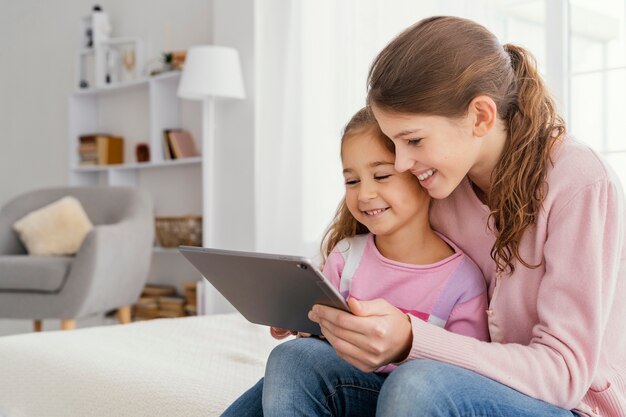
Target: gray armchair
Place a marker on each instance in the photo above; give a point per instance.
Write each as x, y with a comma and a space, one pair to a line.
108, 272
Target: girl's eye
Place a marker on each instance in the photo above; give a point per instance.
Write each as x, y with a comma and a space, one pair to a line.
413, 142
351, 182
381, 177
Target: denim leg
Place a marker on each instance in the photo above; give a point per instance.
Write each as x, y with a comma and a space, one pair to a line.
249, 404
305, 377
429, 388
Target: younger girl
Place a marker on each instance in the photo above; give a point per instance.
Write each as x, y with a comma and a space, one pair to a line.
380, 246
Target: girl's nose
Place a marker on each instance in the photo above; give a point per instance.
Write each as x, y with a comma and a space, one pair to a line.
367, 192
402, 162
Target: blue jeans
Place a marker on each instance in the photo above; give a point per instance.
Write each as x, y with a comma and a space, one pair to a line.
304, 377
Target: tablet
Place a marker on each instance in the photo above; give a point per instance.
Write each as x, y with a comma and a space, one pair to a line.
274, 290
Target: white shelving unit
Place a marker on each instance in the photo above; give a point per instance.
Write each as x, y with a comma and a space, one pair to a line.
139, 111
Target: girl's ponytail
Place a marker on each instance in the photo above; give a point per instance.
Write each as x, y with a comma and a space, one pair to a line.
518, 180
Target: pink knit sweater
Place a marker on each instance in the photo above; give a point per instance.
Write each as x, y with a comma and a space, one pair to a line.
558, 331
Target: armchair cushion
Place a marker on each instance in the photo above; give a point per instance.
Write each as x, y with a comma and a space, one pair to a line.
58, 228
43, 274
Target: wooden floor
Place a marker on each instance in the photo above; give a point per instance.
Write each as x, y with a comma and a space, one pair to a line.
9, 327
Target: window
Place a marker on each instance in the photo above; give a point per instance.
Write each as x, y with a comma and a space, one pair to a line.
597, 104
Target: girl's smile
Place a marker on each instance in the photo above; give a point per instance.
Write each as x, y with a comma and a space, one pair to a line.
375, 212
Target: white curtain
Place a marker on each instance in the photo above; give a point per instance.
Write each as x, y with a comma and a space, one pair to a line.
278, 103
312, 63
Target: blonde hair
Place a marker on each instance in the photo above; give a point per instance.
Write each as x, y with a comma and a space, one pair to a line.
438, 66
344, 225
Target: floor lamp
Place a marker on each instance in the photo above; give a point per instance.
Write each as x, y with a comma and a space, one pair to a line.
210, 73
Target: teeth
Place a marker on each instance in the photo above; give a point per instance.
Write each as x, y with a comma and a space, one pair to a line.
374, 212
426, 174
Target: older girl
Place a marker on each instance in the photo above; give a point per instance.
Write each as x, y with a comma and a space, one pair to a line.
540, 213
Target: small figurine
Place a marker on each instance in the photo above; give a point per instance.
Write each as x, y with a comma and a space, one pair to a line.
101, 26
142, 151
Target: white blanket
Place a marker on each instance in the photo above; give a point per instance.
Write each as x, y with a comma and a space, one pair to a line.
193, 366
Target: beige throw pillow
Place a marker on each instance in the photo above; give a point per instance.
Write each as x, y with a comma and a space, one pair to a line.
56, 229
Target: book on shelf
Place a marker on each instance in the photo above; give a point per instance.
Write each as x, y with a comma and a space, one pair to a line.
180, 144
100, 149
191, 309
146, 308
110, 150
162, 301
154, 290
87, 150
172, 306
190, 292
167, 149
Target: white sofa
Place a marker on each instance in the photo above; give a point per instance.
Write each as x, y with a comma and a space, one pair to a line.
193, 366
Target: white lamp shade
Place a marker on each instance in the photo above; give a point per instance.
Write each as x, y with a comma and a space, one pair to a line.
211, 71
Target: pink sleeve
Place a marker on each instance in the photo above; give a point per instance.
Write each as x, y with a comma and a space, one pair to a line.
333, 267
470, 318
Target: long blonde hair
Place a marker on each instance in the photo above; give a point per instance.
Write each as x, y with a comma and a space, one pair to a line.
438, 66
344, 225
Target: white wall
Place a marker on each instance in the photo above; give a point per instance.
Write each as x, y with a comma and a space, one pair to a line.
38, 42
233, 23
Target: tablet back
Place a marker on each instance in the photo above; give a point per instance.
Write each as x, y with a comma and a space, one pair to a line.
274, 290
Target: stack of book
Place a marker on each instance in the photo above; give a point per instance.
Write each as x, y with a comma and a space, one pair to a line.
162, 301
191, 304
100, 149
178, 144
148, 306
173, 306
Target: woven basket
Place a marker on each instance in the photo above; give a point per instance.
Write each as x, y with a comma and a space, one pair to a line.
175, 231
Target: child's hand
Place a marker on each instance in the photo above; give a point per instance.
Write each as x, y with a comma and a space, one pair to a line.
280, 333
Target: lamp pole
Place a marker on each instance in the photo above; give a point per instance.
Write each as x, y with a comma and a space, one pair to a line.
210, 71
209, 199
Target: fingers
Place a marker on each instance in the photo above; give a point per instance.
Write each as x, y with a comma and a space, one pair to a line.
324, 315
280, 333
349, 342
353, 354
376, 307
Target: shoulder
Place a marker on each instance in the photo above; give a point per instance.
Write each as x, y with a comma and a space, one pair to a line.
576, 169
464, 265
351, 245
466, 281
465, 275
468, 268
576, 166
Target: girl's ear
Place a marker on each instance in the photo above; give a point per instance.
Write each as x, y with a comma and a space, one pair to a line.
483, 111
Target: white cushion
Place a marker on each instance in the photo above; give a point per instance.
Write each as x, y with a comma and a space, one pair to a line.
56, 229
